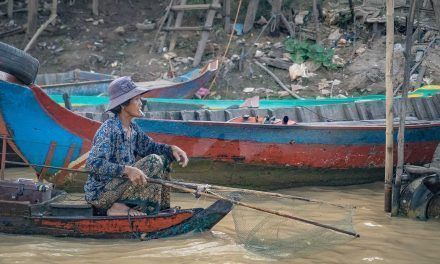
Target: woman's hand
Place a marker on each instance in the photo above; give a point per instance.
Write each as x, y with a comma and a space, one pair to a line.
135, 175
180, 156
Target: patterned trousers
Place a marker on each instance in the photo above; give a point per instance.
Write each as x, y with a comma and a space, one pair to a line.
149, 198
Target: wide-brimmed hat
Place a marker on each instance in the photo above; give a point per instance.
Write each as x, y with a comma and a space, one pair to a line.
123, 89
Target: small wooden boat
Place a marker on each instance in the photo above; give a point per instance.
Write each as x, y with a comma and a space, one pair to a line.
81, 83
329, 144
22, 214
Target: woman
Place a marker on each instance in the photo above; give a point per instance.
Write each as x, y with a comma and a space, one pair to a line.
117, 184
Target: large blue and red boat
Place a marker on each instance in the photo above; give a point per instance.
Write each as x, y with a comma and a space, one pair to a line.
245, 153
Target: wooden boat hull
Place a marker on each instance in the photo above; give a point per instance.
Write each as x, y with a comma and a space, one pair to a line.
16, 218
80, 83
46, 133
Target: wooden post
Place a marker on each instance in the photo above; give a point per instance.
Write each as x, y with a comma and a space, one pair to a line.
316, 17
95, 5
2, 168
178, 23
276, 11
10, 9
250, 15
205, 34
389, 105
436, 6
401, 135
32, 18
227, 9
66, 99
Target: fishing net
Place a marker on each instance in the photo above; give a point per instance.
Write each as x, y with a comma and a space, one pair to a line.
280, 237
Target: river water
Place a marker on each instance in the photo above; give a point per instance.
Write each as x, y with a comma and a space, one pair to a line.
383, 239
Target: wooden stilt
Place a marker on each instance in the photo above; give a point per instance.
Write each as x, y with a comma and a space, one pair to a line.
32, 17
10, 8
205, 34
227, 10
66, 99
316, 18
276, 11
250, 15
389, 106
178, 23
436, 6
2, 168
95, 5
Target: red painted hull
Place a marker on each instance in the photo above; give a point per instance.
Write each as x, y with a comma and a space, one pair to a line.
298, 155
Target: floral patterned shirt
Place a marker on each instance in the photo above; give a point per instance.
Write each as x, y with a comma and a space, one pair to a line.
112, 150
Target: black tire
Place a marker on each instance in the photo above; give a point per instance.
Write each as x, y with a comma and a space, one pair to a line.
18, 63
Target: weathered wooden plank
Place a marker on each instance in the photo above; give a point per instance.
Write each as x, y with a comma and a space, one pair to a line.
375, 109
173, 115
184, 7
350, 111
308, 114
216, 115
201, 115
362, 111
419, 108
203, 28
430, 108
188, 115
331, 112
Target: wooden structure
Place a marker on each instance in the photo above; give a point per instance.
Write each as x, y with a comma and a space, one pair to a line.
176, 11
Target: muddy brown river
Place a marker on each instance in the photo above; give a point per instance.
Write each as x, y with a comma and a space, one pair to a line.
383, 239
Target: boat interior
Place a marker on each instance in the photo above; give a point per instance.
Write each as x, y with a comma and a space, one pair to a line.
418, 109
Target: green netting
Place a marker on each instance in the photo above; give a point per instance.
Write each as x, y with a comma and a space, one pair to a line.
279, 237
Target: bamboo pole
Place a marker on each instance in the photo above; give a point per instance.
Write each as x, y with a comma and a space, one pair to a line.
401, 134
389, 105
39, 31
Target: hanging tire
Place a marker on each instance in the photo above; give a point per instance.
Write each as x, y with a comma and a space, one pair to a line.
18, 63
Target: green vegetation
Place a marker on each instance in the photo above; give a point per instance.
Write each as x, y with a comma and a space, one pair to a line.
300, 51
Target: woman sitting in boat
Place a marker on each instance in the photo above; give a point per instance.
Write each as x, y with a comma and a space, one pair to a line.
122, 157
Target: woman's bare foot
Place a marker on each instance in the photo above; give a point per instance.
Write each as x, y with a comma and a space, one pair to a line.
120, 209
